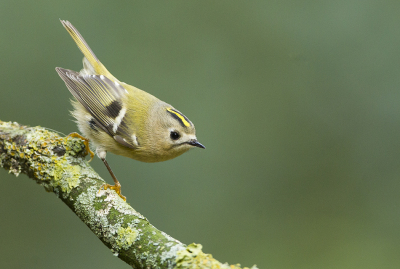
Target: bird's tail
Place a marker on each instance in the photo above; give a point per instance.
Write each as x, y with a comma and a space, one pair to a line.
91, 63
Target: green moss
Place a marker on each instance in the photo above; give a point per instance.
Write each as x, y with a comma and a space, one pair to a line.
113, 216
98, 205
193, 257
58, 164
126, 237
45, 153
65, 175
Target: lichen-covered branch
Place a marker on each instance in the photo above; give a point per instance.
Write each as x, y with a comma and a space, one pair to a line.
57, 163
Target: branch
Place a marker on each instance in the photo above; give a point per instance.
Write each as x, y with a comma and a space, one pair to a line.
57, 163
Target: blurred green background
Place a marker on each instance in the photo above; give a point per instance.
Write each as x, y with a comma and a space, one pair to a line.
296, 101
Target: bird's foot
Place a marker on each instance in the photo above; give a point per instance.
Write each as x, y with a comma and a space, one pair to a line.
86, 142
116, 188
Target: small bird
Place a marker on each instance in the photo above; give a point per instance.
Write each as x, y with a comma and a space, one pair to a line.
122, 119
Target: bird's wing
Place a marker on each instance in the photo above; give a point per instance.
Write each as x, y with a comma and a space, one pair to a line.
102, 98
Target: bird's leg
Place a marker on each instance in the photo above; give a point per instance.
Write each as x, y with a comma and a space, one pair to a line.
117, 185
85, 142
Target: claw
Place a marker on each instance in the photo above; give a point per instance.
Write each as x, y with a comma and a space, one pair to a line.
86, 142
116, 188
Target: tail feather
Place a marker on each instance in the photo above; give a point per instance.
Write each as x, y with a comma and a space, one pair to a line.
88, 69
91, 59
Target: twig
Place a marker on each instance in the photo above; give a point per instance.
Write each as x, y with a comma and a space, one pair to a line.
57, 163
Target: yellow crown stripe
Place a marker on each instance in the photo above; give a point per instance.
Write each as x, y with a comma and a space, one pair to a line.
180, 116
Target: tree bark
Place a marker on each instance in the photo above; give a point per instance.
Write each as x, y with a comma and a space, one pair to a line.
58, 164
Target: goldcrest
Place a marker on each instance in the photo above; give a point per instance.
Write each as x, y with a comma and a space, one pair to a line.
122, 119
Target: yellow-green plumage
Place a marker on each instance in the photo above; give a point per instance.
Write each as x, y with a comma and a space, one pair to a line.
123, 119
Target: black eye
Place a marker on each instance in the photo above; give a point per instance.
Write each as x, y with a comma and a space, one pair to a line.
174, 135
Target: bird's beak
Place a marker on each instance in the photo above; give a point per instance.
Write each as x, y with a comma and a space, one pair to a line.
195, 143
